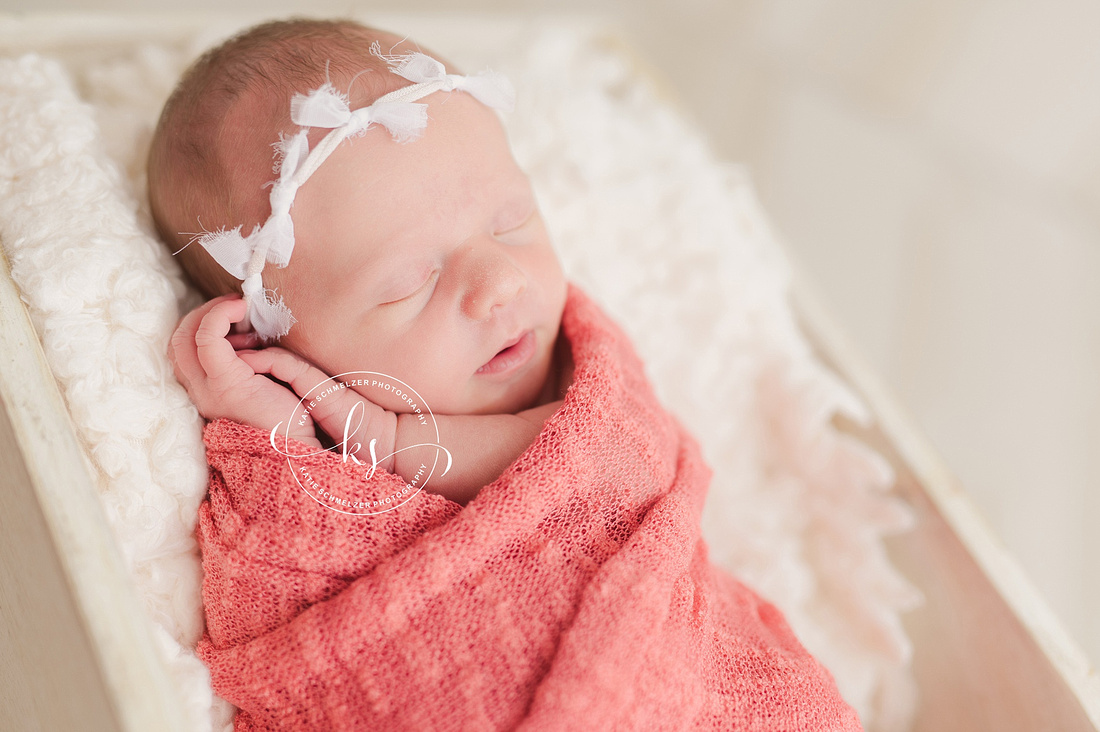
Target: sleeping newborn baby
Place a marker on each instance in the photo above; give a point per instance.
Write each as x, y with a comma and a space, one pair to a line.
426, 261
555, 576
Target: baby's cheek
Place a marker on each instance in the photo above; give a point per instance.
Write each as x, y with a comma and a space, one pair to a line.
542, 261
552, 277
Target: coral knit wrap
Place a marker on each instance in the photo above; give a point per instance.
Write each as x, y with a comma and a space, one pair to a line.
573, 593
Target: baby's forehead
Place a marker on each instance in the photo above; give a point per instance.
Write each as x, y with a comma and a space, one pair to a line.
376, 205
462, 158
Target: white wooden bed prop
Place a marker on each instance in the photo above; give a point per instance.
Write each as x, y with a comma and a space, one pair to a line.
80, 650
989, 654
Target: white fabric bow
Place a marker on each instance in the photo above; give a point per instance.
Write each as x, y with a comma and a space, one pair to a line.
488, 87
326, 107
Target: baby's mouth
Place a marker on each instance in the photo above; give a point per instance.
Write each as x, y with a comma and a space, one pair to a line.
511, 356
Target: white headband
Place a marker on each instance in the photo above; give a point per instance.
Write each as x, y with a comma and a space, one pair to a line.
244, 256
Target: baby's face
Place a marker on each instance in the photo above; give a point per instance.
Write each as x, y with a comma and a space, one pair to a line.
429, 262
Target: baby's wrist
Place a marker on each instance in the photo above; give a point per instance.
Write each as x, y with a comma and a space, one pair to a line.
304, 434
408, 459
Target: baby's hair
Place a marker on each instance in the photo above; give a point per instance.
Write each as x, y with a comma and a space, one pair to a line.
211, 153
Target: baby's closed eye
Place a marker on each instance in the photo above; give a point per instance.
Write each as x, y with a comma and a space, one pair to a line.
416, 286
511, 225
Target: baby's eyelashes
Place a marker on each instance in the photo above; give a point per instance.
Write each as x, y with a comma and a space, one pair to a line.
423, 288
513, 212
511, 233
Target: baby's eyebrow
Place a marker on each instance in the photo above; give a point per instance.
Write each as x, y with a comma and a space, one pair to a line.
381, 279
516, 191
513, 212
354, 276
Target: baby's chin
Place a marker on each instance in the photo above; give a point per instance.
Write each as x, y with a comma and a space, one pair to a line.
512, 402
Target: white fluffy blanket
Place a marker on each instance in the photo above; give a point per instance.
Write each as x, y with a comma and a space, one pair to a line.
670, 241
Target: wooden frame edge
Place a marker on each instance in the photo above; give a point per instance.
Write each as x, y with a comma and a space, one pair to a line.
94, 578
948, 496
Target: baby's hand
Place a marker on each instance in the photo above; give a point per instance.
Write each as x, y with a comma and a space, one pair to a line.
363, 429
207, 362
226, 378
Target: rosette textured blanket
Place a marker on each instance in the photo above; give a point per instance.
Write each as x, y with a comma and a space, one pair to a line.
574, 592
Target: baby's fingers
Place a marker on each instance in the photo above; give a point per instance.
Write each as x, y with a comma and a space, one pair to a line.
327, 404
183, 349
215, 353
302, 376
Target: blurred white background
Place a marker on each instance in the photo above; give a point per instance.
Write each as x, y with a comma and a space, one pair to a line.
935, 166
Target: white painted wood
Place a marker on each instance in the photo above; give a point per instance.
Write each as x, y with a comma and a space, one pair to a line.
989, 653
77, 651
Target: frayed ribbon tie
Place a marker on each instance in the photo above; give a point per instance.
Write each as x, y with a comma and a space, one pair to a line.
327, 108
488, 87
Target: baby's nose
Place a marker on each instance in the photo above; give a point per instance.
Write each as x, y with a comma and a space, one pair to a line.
492, 279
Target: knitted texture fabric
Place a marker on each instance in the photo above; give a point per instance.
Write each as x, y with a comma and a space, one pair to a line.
574, 592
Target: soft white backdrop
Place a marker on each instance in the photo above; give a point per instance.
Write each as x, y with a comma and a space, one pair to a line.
935, 167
